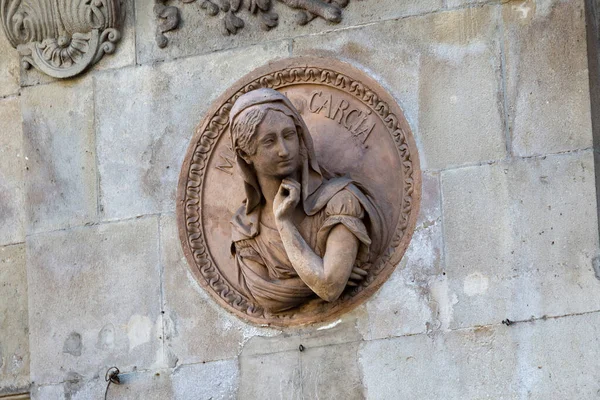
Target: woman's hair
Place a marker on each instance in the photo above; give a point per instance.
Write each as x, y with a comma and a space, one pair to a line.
246, 123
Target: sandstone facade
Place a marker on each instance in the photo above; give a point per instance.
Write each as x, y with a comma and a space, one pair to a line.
502, 98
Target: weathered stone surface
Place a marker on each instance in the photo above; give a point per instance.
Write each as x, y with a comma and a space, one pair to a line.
12, 210
547, 76
14, 324
492, 362
145, 117
407, 304
9, 68
445, 72
190, 313
271, 376
331, 372
216, 380
134, 386
94, 298
139, 386
50, 392
199, 33
521, 238
459, 3
58, 136
342, 330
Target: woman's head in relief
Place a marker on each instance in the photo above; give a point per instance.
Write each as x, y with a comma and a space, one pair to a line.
265, 135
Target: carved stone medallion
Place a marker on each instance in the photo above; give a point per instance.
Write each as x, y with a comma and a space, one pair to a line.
299, 192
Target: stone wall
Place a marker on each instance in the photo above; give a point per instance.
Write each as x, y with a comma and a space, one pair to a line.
498, 96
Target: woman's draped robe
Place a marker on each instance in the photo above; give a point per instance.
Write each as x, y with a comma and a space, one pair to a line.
263, 271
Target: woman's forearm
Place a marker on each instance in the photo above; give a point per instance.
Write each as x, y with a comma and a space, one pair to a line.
326, 276
307, 264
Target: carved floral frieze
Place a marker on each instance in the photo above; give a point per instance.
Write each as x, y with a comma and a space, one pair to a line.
62, 38
231, 12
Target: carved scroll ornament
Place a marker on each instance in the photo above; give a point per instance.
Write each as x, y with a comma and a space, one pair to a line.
330, 153
231, 10
62, 38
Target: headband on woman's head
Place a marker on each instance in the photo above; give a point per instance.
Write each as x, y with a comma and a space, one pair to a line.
256, 97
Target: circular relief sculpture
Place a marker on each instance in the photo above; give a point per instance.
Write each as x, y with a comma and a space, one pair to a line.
299, 192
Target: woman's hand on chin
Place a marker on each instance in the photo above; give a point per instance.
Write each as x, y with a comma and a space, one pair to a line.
286, 200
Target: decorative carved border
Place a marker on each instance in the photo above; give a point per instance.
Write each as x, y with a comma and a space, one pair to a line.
62, 38
278, 75
169, 16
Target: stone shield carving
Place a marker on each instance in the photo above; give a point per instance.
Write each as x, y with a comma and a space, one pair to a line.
62, 38
359, 133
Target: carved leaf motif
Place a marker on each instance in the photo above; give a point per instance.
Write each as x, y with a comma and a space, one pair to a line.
211, 8
65, 56
235, 5
308, 10
61, 37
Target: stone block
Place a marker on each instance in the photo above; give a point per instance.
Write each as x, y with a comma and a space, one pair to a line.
14, 323
489, 362
521, 238
146, 117
9, 68
547, 76
444, 71
271, 376
216, 380
58, 140
94, 300
196, 328
342, 330
331, 372
12, 164
407, 303
198, 33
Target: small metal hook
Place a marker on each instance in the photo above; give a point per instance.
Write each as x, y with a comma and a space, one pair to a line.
112, 376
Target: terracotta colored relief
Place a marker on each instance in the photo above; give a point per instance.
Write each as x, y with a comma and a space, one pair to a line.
299, 192
62, 38
231, 13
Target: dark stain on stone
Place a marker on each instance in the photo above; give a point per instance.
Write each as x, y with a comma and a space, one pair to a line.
355, 49
596, 265
73, 384
73, 344
154, 176
106, 338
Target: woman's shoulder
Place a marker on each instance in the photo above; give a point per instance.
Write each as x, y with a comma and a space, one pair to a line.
344, 203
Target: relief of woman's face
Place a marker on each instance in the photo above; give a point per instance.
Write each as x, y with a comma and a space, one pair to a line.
277, 146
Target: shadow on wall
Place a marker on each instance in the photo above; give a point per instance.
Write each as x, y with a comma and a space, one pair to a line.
593, 44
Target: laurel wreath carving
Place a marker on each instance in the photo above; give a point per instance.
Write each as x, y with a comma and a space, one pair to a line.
218, 124
62, 38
